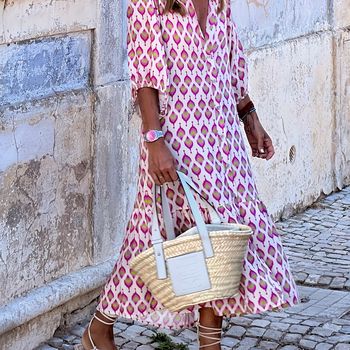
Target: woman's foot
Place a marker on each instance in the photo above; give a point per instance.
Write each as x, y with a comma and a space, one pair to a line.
99, 333
209, 330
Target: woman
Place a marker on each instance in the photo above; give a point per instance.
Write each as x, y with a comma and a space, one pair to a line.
189, 76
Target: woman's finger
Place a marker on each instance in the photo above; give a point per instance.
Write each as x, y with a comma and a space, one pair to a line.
261, 148
155, 178
173, 174
164, 176
269, 148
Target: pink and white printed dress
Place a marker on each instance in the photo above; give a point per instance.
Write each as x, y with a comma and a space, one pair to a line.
200, 78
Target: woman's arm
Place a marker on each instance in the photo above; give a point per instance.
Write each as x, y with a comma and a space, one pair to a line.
161, 163
259, 140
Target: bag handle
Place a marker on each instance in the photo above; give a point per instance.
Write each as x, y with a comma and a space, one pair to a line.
157, 240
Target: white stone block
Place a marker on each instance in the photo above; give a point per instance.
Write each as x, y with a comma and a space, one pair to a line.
263, 22
30, 19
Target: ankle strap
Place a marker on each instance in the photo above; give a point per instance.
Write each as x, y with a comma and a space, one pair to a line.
209, 328
111, 319
207, 335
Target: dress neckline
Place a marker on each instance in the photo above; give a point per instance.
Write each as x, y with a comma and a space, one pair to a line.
205, 32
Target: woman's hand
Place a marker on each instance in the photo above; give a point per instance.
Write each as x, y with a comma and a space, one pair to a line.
161, 163
258, 138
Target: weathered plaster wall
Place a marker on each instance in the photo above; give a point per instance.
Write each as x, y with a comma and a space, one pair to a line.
299, 78
68, 144
63, 157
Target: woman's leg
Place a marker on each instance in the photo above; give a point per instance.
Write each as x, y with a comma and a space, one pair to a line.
101, 333
209, 329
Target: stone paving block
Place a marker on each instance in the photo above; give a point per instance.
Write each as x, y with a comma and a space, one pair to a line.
268, 345
260, 323
142, 339
292, 338
307, 344
316, 338
55, 342
148, 333
131, 345
255, 332
67, 347
189, 334
165, 331
45, 347
247, 343
341, 321
241, 321
78, 331
68, 338
300, 276
314, 311
323, 346
119, 341
342, 347
312, 280
339, 339
236, 332
338, 282
323, 332
272, 334
299, 329
291, 320
133, 331
280, 326
193, 347
290, 347
229, 342
311, 322
121, 326
345, 329
145, 347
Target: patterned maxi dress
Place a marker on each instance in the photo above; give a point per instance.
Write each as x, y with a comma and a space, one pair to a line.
200, 78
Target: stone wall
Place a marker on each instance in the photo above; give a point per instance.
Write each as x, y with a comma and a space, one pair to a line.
68, 144
63, 157
299, 77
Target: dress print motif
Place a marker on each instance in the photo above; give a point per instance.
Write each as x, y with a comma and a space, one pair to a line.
200, 78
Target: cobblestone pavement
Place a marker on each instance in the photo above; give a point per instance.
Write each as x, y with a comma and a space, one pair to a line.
317, 242
318, 245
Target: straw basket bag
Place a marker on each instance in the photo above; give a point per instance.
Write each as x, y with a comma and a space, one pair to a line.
202, 264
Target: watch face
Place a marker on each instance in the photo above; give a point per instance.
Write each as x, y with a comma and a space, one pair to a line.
151, 135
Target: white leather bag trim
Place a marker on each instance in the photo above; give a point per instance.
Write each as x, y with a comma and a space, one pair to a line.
168, 219
202, 230
157, 242
157, 239
188, 273
214, 216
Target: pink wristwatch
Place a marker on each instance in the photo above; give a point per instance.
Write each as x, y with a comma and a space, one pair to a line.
153, 135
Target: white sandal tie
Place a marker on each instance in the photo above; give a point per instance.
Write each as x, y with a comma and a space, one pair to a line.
208, 335
110, 322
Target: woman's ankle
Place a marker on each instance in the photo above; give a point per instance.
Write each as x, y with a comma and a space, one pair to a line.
101, 324
209, 329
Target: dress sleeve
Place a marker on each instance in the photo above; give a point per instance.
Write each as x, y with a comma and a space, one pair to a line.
238, 62
145, 48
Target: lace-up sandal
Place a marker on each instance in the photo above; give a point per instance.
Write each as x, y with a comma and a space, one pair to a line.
208, 335
110, 322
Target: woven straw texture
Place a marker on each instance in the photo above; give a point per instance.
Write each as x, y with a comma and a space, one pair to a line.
225, 267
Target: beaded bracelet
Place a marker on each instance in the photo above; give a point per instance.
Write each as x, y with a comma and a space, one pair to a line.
247, 109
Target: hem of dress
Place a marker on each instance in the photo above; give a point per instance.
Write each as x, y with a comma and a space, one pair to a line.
142, 320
